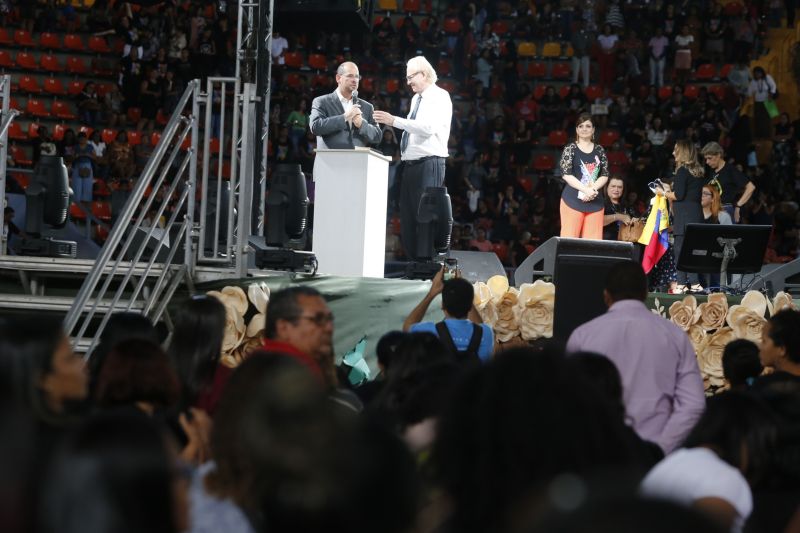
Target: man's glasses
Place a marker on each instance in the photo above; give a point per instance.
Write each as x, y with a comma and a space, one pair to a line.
320, 319
411, 76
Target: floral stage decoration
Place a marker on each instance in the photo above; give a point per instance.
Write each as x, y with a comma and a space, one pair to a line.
713, 324
526, 314
245, 318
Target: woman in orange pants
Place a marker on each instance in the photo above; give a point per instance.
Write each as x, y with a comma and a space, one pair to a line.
584, 167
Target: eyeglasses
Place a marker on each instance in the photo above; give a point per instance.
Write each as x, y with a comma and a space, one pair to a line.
705, 193
351, 76
411, 77
320, 319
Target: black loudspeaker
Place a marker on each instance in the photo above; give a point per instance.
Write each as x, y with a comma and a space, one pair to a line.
355, 15
580, 270
478, 266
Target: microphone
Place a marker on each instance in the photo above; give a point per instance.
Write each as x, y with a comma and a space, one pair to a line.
355, 97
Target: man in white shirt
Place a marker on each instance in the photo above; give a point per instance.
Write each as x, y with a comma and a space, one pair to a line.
423, 146
279, 46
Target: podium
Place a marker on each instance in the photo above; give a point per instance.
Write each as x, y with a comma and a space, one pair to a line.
350, 197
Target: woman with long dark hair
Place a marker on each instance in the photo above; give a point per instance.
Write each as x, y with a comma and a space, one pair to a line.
687, 189
617, 212
584, 167
195, 349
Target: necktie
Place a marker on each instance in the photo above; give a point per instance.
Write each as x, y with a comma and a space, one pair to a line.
404, 138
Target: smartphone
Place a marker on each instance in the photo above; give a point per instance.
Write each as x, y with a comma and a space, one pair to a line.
450, 267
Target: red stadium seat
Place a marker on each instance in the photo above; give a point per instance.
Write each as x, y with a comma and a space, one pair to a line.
544, 162
24, 38
102, 210
134, 114
293, 59
293, 80
50, 63
27, 61
36, 108
54, 86
154, 138
16, 132
392, 86
5, 38
76, 65
33, 130
75, 87
76, 212
563, 91
6, 61
500, 27
593, 92
50, 40
108, 135
134, 138
412, 6
214, 145
691, 91
561, 71
725, 70
538, 92
29, 84
103, 89
74, 42
537, 70
665, 93
501, 250
608, 137
706, 71
86, 130
20, 157
557, 138
100, 188
99, 45
451, 25
58, 132
318, 61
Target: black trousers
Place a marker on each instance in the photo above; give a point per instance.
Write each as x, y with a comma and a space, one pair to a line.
416, 176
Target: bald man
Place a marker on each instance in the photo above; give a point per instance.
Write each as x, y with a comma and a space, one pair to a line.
341, 119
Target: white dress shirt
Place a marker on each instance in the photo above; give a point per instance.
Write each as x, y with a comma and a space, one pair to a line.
430, 130
346, 104
762, 89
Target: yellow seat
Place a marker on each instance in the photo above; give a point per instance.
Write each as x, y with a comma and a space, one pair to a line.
387, 5
551, 50
526, 50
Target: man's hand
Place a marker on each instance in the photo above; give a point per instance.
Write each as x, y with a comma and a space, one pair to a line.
382, 117
357, 121
437, 285
352, 113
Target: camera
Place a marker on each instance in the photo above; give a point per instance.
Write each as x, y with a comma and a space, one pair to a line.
450, 267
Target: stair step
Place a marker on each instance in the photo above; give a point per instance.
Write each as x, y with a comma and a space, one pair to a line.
53, 265
62, 304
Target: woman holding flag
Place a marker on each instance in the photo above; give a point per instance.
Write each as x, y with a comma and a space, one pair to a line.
584, 167
686, 195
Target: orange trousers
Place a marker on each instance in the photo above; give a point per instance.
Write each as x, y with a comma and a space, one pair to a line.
576, 224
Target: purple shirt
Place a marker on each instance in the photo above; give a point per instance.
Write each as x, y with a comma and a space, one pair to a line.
662, 387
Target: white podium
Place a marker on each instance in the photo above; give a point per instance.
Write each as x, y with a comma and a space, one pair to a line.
350, 193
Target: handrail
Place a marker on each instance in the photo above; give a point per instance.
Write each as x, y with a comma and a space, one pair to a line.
175, 179
8, 114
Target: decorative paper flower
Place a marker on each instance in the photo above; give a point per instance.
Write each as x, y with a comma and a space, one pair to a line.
779, 303
506, 327
258, 294
658, 309
746, 323
534, 310
709, 355
498, 287
256, 326
484, 304
236, 297
755, 301
697, 334
234, 328
684, 313
713, 311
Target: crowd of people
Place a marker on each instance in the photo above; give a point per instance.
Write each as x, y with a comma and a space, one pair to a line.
608, 432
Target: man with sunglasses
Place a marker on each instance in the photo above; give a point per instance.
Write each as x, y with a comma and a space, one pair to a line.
342, 119
423, 146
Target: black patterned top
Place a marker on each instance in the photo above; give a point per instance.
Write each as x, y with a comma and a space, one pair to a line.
587, 167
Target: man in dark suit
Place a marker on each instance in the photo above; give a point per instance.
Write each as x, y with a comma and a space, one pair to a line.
341, 119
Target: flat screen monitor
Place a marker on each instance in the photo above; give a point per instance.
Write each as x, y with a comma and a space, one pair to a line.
702, 248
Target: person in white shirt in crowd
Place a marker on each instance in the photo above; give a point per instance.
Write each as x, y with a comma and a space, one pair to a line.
423, 146
725, 455
658, 57
279, 46
763, 89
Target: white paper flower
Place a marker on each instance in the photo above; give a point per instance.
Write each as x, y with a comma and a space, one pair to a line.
258, 294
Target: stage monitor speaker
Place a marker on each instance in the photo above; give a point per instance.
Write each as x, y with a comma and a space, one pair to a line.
580, 270
478, 266
152, 245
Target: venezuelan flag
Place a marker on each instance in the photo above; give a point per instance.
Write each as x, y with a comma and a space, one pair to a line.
655, 236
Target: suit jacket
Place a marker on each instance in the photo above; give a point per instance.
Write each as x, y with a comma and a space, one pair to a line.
328, 124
